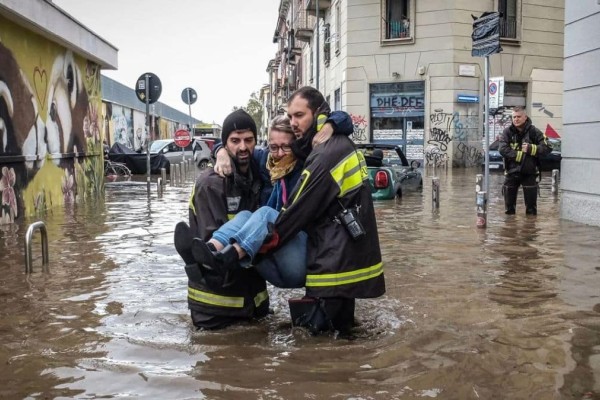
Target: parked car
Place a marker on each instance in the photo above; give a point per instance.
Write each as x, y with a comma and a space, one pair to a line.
548, 162
197, 150
390, 174
211, 141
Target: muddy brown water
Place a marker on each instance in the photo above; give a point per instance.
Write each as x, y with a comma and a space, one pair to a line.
507, 312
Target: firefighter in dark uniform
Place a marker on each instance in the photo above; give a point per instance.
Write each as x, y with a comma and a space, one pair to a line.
215, 301
332, 203
521, 145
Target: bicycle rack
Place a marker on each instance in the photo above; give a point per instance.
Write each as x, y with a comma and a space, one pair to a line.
28, 259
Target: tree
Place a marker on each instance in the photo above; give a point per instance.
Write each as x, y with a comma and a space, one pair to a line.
255, 108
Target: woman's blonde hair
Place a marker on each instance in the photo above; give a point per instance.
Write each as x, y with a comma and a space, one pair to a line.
281, 123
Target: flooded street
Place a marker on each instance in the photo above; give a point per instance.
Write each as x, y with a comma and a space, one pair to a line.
507, 312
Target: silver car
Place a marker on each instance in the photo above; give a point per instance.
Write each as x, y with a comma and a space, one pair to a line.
197, 150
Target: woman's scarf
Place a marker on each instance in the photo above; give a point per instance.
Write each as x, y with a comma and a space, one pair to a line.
280, 168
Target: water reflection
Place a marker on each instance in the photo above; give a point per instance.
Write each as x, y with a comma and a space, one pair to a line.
510, 311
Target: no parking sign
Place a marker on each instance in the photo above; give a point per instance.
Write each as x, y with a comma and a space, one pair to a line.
496, 90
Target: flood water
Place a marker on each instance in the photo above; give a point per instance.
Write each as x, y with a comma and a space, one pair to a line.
507, 312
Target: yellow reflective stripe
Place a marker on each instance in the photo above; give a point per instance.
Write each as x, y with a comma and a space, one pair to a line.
192, 207
321, 119
519, 156
230, 217
259, 298
304, 179
349, 174
344, 278
533, 149
215, 299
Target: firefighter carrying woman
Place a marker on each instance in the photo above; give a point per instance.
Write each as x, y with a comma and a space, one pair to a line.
319, 232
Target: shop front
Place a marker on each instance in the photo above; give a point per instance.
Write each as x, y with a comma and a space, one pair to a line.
398, 116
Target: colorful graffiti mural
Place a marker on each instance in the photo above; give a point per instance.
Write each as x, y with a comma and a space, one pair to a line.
50, 137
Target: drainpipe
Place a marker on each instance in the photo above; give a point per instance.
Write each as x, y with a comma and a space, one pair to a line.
317, 42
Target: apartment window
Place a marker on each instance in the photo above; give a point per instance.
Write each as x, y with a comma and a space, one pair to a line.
311, 66
338, 26
337, 100
509, 19
326, 44
397, 19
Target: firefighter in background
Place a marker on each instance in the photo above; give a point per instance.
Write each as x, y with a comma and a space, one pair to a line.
521, 145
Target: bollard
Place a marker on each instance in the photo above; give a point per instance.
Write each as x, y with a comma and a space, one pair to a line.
163, 175
175, 168
481, 209
435, 195
28, 258
555, 181
478, 184
171, 175
182, 173
159, 186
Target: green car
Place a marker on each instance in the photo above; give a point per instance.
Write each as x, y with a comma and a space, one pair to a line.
390, 174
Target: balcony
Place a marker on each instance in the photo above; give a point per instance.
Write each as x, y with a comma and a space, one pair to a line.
311, 6
304, 25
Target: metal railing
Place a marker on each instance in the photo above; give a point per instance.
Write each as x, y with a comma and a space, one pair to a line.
508, 27
28, 258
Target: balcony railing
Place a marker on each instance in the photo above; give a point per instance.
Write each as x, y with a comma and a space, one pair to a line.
304, 25
508, 27
311, 6
397, 29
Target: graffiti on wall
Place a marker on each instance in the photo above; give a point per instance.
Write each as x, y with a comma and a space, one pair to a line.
360, 128
448, 128
49, 124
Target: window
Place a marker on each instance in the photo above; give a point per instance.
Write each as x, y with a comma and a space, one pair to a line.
397, 17
515, 94
509, 19
311, 66
338, 26
337, 100
326, 44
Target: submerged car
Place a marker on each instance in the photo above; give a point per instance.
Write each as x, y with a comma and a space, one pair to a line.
390, 174
197, 150
547, 163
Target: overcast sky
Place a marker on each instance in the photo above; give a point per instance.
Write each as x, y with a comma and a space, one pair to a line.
219, 48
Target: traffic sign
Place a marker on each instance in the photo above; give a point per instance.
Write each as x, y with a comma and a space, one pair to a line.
154, 88
496, 90
182, 138
189, 96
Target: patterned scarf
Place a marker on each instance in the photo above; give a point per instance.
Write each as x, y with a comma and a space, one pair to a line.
280, 168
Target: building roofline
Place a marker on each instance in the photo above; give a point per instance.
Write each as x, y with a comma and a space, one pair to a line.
47, 19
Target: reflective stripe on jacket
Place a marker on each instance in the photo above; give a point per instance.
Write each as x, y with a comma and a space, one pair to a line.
335, 176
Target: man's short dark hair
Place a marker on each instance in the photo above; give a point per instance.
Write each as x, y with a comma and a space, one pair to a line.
314, 98
519, 109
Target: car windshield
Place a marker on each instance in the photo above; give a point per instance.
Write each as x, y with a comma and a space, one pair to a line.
157, 145
556, 144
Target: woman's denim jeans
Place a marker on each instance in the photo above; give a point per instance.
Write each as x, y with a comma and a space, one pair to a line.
284, 268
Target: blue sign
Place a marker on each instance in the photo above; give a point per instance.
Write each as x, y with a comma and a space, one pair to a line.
467, 98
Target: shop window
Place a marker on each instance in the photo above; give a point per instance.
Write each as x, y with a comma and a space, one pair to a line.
398, 19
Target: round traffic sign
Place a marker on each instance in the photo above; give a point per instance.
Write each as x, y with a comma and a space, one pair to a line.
154, 88
493, 88
182, 138
189, 96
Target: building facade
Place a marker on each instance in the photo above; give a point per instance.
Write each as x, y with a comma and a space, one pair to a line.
580, 169
56, 109
403, 68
